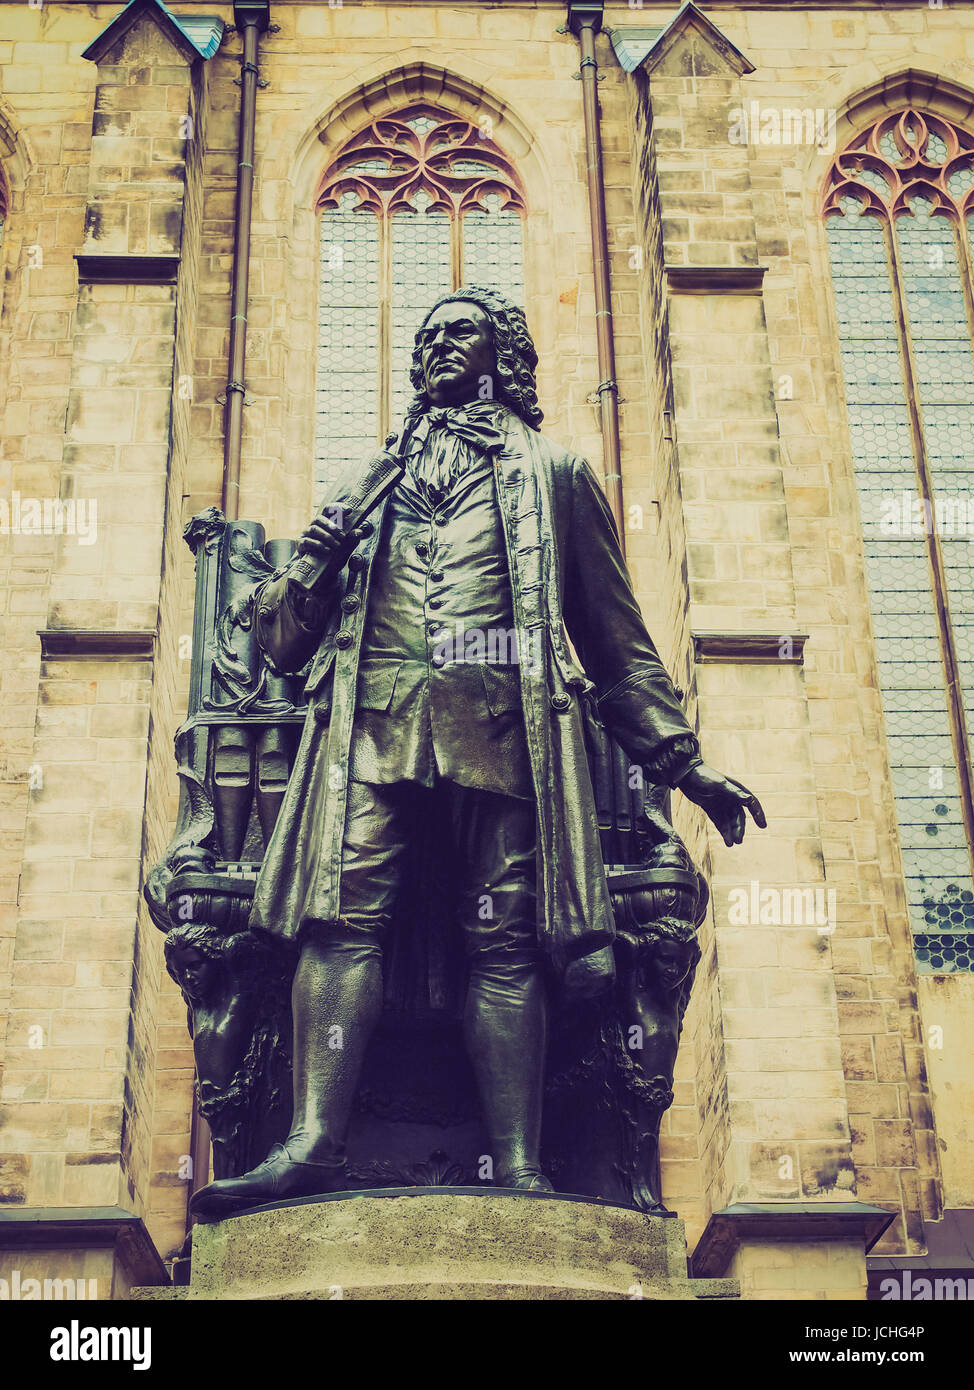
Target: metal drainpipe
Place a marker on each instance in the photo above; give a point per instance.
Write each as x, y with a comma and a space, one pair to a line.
251, 20
585, 21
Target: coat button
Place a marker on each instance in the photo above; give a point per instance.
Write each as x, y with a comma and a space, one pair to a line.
344, 639
365, 528
561, 703
357, 561
350, 603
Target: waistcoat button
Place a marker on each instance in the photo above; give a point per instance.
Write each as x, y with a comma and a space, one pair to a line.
350, 603
344, 639
561, 703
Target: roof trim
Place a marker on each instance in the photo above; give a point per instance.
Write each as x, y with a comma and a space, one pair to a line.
816, 1221
632, 43
91, 1228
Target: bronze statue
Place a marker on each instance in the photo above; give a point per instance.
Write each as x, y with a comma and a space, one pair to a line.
442, 683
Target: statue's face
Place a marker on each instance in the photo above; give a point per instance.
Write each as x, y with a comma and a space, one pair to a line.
671, 963
457, 353
195, 972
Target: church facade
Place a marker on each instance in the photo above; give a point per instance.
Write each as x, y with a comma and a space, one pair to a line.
778, 389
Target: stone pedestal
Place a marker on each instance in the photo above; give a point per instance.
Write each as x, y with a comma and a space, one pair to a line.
444, 1243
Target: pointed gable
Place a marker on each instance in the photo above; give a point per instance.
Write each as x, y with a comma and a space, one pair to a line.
691, 45
199, 38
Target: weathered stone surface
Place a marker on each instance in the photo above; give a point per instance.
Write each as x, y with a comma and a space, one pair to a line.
446, 1245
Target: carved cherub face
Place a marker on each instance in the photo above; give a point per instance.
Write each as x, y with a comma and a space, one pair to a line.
457, 351
195, 973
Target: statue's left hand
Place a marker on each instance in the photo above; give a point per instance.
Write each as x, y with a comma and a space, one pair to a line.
724, 800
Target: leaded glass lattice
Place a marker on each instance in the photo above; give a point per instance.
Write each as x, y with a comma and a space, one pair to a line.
347, 402
944, 952
897, 200
492, 248
421, 271
417, 204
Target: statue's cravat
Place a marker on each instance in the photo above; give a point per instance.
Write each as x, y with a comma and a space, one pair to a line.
444, 438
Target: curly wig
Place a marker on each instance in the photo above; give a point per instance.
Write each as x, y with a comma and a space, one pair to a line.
516, 354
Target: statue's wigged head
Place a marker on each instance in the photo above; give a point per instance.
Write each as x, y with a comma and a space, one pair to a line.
485, 354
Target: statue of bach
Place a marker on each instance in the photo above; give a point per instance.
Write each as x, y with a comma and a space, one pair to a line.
417, 691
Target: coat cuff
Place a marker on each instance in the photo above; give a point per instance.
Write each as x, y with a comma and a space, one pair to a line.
308, 611
289, 623
674, 760
645, 717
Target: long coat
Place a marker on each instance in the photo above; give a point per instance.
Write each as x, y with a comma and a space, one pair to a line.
567, 574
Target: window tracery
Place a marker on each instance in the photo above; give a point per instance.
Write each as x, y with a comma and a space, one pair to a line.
412, 206
899, 203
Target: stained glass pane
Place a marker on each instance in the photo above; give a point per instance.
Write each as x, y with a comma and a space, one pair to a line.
911, 673
401, 167
421, 271
369, 166
943, 953
944, 368
347, 401
474, 167
888, 146
875, 180
936, 151
493, 252
960, 181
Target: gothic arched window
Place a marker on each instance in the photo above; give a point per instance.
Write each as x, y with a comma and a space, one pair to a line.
899, 205
413, 206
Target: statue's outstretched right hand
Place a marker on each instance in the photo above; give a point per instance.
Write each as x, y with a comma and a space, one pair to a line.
724, 799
